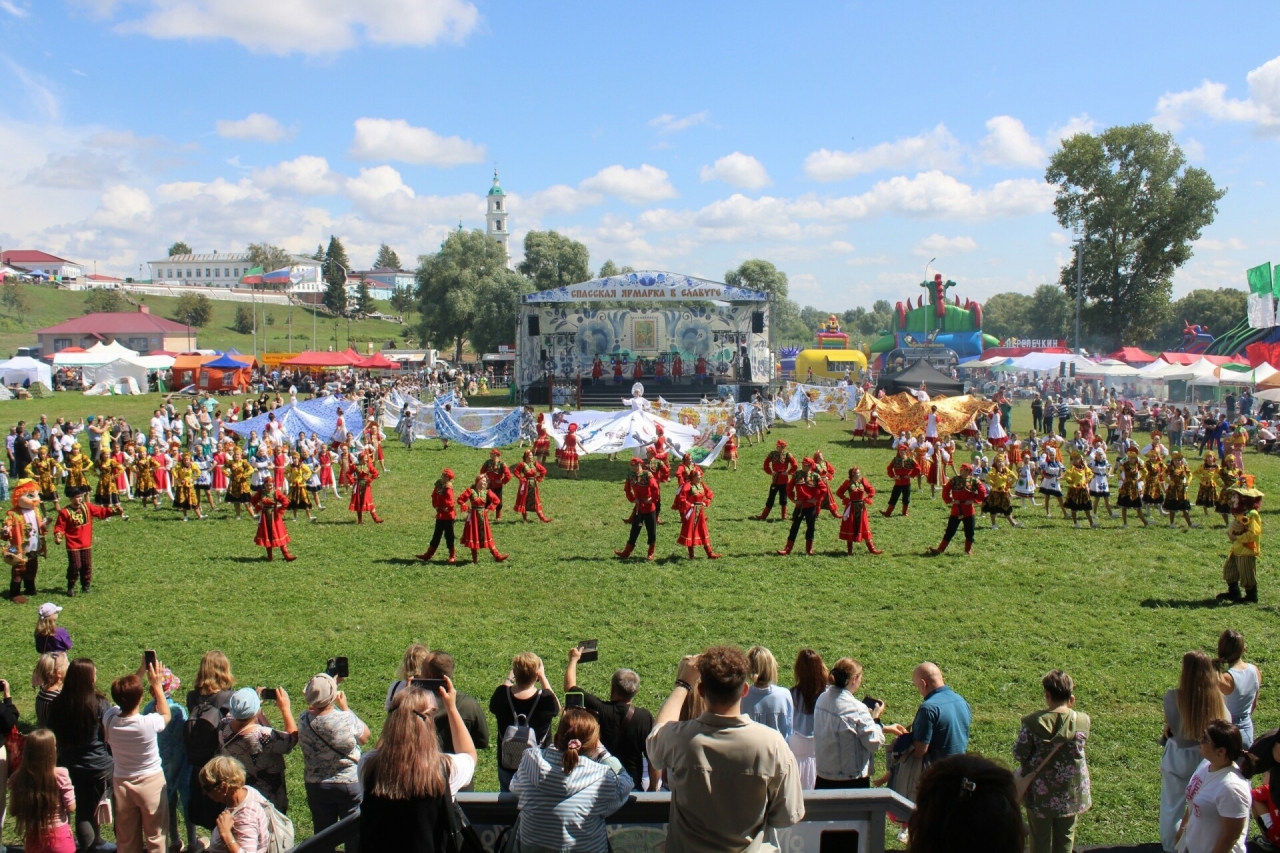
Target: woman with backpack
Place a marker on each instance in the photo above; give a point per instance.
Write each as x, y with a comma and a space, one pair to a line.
524, 706
409, 784
246, 737
75, 717
207, 704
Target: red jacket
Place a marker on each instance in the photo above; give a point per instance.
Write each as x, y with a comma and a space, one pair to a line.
79, 534
442, 499
781, 465
659, 469
963, 494
811, 491
499, 474
903, 469
642, 490
825, 470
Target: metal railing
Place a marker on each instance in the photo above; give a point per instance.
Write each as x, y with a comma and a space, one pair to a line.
853, 819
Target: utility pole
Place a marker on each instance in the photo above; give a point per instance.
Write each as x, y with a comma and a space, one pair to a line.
1081, 234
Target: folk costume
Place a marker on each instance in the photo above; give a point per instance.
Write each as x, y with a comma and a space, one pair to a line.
567, 455
902, 469
365, 472
781, 467
1076, 479
443, 502
185, 497
144, 478
963, 493
270, 503
1207, 476
107, 493
529, 495
825, 469
1000, 482
731, 448
1245, 534
297, 475
44, 469
1176, 499
1130, 471
476, 534
1228, 479
279, 463
856, 493
24, 543
1153, 490
220, 461
542, 443
811, 495
644, 494
691, 502
238, 474
75, 527
684, 470
498, 474
77, 465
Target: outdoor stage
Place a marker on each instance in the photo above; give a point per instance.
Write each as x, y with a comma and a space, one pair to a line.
666, 323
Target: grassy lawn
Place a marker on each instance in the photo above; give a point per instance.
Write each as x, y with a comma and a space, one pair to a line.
1115, 608
50, 306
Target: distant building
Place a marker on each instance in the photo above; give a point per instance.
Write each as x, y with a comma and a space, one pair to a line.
31, 262
138, 330
225, 269
495, 217
382, 282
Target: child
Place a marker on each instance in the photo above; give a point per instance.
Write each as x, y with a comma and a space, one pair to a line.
297, 474
314, 486
1175, 496
75, 525
1051, 471
173, 752
43, 799
204, 478
1076, 479
49, 637
1099, 487
1207, 475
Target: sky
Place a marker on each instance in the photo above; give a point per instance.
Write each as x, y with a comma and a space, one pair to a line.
848, 143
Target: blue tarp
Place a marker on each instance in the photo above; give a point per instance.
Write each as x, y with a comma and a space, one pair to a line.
319, 416
225, 362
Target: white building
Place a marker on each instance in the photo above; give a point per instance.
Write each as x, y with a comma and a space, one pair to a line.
225, 269
495, 217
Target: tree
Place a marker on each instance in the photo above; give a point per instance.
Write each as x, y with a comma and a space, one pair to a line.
785, 326
1216, 310
607, 269
365, 303
1052, 315
15, 300
464, 290
552, 260
194, 309
179, 248
1140, 207
269, 257
1007, 315
243, 322
386, 258
336, 266
402, 300
813, 318
319, 253
100, 300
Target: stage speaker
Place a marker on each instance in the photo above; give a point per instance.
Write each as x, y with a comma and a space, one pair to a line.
535, 325
757, 322
1062, 369
1073, 370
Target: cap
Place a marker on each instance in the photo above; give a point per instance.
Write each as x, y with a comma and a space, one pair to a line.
781, 444
245, 703
447, 473
966, 468
321, 690
807, 462
637, 461
1248, 493
49, 609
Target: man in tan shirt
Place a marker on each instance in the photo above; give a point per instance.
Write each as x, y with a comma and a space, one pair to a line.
731, 779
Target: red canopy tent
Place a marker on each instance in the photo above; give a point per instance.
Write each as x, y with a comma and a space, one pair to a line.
377, 361
1192, 358
1132, 355
317, 360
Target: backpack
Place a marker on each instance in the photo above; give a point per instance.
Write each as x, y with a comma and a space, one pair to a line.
200, 732
280, 829
518, 737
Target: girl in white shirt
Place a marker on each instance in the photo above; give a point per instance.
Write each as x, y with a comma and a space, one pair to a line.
141, 796
1218, 797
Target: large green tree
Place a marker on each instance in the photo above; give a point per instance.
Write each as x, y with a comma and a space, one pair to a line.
1052, 314
100, 300
1007, 315
365, 303
387, 258
179, 248
1140, 207
269, 257
785, 325
194, 309
553, 260
465, 294
336, 267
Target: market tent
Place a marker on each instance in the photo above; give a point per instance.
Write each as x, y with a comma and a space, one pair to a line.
186, 369
225, 373
1189, 372
1235, 375
1132, 355
319, 359
116, 372
95, 355
1044, 362
377, 361
1108, 369
935, 382
18, 370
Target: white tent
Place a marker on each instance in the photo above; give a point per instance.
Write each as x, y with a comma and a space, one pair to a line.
15, 371
97, 354
1043, 362
1189, 372
115, 372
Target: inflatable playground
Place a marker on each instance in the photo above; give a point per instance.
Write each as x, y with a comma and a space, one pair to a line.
831, 356
1256, 338
941, 333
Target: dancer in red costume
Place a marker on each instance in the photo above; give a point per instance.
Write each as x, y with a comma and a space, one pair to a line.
617, 370
677, 368
597, 370
855, 524
270, 503
780, 466
476, 534
364, 472
280, 462
683, 470
691, 502
731, 449
567, 456
637, 372
811, 495
641, 488
443, 502
964, 493
528, 495
498, 475
902, 469
542, 444
825, 469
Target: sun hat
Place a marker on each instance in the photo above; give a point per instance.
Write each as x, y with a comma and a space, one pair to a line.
321, 690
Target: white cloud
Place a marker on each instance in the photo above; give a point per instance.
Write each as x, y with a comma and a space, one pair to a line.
304, 175
644, 185
557, 198
123, 208
38, 91
13, 9
938, 196
311, 27
1076, 124
938, 246
668, 123
257, 127
396, 139
1231, 244
1008, 143
737, 170
937, 149
1209, 100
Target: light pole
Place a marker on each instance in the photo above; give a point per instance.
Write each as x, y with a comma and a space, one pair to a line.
1081, 235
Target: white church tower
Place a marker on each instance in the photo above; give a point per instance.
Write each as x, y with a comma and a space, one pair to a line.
496, 224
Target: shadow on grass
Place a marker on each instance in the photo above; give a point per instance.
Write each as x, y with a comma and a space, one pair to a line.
404, 561
1189, 604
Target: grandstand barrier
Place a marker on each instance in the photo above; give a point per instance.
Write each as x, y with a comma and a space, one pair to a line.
844, 821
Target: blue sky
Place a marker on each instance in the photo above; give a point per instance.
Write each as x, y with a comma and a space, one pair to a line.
848, 143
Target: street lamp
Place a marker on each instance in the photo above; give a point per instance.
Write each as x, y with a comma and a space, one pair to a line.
1080, 229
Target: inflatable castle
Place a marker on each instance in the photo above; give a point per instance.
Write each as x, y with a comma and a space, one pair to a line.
831, 356
937, 331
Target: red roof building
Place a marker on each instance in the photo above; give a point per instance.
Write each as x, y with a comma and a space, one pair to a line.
138, 330
30, 260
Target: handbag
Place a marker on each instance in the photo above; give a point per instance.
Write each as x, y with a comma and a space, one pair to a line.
14, 743
102, 812
1022, 783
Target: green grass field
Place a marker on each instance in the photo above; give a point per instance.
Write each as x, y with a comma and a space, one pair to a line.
1115, 608
50, 306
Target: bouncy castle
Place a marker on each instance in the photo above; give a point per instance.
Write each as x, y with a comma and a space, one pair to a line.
831, 357
942, 333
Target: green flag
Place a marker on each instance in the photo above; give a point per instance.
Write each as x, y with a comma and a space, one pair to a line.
1260, 279
1276, 287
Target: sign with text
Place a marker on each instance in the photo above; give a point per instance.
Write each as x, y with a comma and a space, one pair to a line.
648, 286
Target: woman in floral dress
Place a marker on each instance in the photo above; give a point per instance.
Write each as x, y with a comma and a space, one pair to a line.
1052, 741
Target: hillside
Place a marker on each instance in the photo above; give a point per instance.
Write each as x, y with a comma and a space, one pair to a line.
50, 306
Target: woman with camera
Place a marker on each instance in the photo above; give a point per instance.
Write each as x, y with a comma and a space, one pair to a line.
245, 736
846, 733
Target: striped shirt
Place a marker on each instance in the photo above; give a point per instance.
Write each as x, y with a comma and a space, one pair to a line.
567, 812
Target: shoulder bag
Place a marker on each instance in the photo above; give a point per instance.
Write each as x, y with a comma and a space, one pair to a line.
1022, 783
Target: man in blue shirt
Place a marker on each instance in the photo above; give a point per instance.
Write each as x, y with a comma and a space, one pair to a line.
941, 726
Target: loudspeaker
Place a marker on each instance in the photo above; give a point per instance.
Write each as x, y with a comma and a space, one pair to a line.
535, 325
757, 322
1062, 369
1073, 370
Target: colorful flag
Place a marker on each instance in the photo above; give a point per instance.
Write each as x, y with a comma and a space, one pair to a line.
1260, 279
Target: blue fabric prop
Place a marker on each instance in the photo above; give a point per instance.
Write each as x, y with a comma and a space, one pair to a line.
319, 416
501, 434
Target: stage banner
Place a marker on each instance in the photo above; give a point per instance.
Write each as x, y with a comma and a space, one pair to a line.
789, 405
713, 420
319, 415
448, 424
